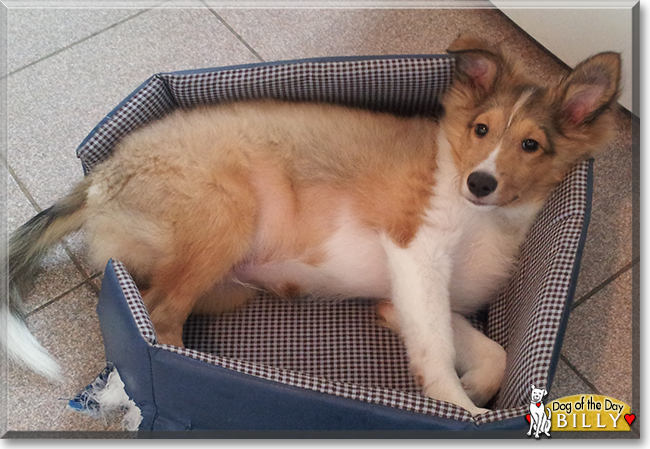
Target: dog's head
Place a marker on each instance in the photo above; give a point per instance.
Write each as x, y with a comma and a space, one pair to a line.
513, 139
538, 394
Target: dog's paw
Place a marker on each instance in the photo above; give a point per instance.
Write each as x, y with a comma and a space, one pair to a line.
448, 392
483, 380
475, 411
480, 387
387, 316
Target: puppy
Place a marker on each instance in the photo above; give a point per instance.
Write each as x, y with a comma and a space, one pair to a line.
338, 202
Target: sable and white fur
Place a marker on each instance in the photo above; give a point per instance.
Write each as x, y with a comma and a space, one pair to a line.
207, 205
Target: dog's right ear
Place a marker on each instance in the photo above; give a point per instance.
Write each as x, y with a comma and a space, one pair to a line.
532, 386
477, 62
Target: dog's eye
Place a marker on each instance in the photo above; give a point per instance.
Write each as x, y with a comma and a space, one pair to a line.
530, 145
481, 129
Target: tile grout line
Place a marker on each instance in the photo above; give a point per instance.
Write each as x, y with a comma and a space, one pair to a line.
58, 297
75, 260
231, 29
579, 374
21, 186
60, 50
605, 283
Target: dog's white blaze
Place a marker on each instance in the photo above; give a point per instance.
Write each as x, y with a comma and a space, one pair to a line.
489, 164
520, 102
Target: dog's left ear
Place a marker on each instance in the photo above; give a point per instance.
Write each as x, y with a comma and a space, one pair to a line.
477, 63
588, 91
544, 392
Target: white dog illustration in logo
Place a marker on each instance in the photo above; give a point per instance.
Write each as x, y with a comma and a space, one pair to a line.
539, 420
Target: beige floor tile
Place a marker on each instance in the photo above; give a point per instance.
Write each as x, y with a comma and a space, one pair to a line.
541, 66
279, 34
69, 329
598, 340
53, 105
567, 383
609, 242
34, 33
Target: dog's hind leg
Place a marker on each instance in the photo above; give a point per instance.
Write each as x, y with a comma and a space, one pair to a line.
480, 361
387, 316
224, 297
178, 285
211, 233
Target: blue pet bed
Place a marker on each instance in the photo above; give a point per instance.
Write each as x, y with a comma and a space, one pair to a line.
318, 366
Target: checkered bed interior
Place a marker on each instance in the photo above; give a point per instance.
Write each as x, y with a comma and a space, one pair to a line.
337, 348
408, 85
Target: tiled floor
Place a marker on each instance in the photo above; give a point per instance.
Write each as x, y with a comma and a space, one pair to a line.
69, 67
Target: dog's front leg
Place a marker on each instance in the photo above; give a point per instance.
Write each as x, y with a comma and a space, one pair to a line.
420, 278
480, 361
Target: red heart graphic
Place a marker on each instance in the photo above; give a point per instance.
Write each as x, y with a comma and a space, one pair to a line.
538, 404
528, 417
630, 418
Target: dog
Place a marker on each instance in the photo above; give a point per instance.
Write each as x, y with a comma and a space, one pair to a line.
425, 214
540, 421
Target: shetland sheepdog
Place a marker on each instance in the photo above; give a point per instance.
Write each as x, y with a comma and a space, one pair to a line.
207, 205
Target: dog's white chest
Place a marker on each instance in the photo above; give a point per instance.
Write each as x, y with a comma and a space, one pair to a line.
482, 261
479, 246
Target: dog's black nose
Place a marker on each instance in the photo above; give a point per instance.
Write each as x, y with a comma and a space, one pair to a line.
481, 183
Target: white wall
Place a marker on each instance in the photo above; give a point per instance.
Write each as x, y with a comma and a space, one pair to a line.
572, 34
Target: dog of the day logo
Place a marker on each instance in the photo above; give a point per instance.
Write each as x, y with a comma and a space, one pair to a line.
579, 413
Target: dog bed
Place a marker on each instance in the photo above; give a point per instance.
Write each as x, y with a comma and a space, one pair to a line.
280, 365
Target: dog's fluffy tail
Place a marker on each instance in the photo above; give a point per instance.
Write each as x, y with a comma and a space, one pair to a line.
27, 247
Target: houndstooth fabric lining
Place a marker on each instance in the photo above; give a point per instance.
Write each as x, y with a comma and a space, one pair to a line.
401, 85
338, 341
526, 317
134, 300
337, 348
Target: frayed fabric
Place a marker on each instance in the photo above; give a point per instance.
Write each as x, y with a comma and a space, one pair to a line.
105, 398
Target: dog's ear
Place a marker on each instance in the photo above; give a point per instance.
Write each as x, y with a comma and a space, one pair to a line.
477, 62
588, 91
544, 392
532, 386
